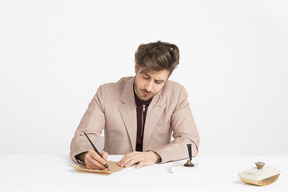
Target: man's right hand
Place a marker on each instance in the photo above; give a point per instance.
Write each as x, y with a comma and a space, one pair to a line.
94, 161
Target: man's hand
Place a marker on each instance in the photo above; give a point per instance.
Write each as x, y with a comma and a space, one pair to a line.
142, 158
94, 161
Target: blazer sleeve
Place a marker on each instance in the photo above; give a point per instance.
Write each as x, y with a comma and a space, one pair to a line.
92, 122
184, 132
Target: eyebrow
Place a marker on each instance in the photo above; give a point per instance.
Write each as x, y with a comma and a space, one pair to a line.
159, 80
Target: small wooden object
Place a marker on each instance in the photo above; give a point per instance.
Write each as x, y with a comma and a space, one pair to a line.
260, 175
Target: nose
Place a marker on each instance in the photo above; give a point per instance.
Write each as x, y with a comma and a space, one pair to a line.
149, 86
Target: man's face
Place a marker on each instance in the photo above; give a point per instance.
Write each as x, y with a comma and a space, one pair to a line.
148, 83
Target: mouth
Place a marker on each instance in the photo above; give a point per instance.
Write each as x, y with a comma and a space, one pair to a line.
145, 93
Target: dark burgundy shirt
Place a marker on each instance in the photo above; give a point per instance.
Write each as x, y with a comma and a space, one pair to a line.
142, 107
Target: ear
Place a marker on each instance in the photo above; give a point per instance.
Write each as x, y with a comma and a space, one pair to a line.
136, 68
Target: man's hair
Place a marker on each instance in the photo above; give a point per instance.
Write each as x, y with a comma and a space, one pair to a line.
157, 56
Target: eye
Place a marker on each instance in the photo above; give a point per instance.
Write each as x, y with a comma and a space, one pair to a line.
158, 82
145, 77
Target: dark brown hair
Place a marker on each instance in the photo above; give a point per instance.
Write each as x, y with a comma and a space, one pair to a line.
157, 56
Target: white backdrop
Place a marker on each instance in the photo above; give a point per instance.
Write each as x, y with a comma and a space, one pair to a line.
54, 55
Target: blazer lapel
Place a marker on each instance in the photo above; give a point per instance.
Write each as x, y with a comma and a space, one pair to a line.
127, 110
153, 114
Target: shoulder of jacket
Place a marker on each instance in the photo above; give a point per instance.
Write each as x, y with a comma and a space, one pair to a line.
173, 86
113, 85
172, 92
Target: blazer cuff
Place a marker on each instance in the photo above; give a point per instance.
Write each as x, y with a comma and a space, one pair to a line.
160, 159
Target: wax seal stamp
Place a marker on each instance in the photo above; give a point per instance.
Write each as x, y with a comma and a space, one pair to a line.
189, 162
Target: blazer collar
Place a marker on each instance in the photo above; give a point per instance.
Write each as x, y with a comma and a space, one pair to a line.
127, 110
154, 112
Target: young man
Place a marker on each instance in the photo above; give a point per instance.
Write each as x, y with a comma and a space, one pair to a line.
139, 115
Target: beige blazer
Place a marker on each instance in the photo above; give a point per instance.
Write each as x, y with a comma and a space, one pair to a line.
113, 110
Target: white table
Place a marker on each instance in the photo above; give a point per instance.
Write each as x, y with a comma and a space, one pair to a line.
52, 173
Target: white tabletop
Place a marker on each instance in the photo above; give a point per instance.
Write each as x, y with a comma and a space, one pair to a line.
52, 173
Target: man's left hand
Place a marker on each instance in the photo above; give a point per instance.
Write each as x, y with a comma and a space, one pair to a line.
142, 158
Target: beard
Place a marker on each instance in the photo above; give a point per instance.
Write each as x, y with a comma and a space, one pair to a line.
143, 94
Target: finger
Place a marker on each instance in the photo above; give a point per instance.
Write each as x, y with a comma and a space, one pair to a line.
93, 164
97, 157
104, 155
89, 165
120, 163
126, 158
131, 160
141, 164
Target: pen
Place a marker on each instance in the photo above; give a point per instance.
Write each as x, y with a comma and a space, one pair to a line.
95, 149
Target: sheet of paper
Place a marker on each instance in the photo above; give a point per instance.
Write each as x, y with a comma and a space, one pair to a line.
112, 166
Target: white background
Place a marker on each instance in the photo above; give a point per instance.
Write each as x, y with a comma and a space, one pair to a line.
55, 54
